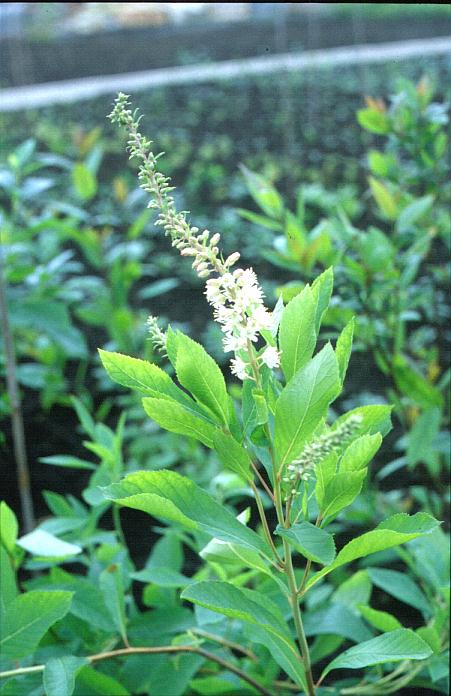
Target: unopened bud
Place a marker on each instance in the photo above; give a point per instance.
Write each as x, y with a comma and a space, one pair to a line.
233, 258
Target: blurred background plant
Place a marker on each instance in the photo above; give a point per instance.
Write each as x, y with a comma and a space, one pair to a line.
391, 275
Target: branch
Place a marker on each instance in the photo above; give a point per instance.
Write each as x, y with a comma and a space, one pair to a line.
125, 652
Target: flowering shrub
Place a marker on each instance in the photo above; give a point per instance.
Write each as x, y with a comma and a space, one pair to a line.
243, 620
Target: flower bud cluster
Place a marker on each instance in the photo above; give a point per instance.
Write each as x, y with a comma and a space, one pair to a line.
157, 336
237, 300
236, 296
302, 468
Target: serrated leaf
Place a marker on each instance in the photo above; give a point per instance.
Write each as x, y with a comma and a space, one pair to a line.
199, 373
8, 527
59, 675
312, 542
176, 418
394, 531
303, 403
297, 332
141, 375
251, 607
402, 644
28, 618
170, 496
232, 455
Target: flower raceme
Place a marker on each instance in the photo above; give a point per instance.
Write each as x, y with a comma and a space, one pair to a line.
236, 296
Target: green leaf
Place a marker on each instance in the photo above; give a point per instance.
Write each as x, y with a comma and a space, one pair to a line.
401, 644
28, 618
41, 543
84, 181
360, 452
8, 584
414, 385
384, 198
100, 683
304, 402
172, 416
68, 461
325, 470
297, 333
373, 419
379, 163
312, 542
354, 591
198, 372
340, 491
336, 619
59, 674
163, 577
141, 375
376, 250
263, 193
268, 626
261, 220
373, 120
422, 436
394, 531
170, 496
49, 318
322, 289
413, 212
343, 348
401, 586
381, 620
110, 582
8, 527
232, 455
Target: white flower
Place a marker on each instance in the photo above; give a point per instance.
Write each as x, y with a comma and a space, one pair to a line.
271, 357
238, 367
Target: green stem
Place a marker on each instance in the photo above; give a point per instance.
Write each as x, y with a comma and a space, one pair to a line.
288, 565
302, 640
264, 521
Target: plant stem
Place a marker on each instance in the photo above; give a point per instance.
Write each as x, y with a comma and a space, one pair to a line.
20, 452
298, 619
224, 641
125, 652
264, 521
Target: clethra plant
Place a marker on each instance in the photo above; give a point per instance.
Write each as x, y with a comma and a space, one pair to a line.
259, 589
302, 470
